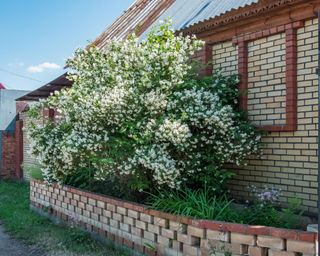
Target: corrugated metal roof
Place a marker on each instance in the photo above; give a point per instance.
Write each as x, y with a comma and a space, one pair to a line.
8, 108
185, 13
143, 14
138, 16
45, 90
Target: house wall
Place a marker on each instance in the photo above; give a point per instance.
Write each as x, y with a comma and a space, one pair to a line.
29, 160
289, 159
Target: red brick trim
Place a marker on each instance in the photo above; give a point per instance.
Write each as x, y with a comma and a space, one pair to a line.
204, 56
291, 71
267, 32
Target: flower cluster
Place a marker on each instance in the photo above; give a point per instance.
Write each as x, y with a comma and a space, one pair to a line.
266, 195
138, 109
174, 132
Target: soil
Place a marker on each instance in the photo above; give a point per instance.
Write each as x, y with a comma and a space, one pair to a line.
13, 247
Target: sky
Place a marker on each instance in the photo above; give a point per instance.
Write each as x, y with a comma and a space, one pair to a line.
37, 36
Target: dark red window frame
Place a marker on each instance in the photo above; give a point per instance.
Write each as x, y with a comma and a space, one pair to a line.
291, 71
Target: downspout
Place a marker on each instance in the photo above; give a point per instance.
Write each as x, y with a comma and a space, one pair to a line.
318, 73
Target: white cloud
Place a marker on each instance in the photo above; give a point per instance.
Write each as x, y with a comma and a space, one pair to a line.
42, 67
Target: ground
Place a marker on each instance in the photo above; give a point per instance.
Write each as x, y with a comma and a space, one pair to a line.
24, 233
9, 246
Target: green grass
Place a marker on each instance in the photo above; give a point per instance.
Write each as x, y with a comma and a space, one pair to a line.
20, 222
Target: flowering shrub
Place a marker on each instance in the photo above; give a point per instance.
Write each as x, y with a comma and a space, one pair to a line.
139, 110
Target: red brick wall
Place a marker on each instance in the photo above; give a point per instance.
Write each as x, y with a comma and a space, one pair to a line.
12, 153
8, 166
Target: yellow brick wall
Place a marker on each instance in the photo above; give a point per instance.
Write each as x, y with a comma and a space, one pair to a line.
290, 158
225, 58
28, 159
266, 80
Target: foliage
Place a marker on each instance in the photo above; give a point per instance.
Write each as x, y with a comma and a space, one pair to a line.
291, 216
201, 204
33, 171
138, 110
113, 186
196, 203
21, 223
264, 210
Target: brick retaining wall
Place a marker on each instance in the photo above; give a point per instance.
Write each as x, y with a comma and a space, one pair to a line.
157, 233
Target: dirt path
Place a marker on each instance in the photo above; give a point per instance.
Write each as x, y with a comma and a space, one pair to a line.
11, 247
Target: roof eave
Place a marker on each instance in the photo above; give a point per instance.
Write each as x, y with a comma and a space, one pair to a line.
240, 14
44, 91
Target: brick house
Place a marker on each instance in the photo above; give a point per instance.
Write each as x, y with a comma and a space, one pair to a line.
8, 134
273, 46
27, 161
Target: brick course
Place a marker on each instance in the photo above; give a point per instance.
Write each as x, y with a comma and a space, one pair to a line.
145, 227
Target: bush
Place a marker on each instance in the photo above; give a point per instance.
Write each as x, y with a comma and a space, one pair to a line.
139, 111
113, 186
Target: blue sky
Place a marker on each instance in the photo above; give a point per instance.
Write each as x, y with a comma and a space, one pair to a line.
37, 36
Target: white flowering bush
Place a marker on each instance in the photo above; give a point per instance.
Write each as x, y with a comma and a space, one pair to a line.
138, 110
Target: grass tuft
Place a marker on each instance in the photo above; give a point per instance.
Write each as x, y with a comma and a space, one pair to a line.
196, 203
20, 222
